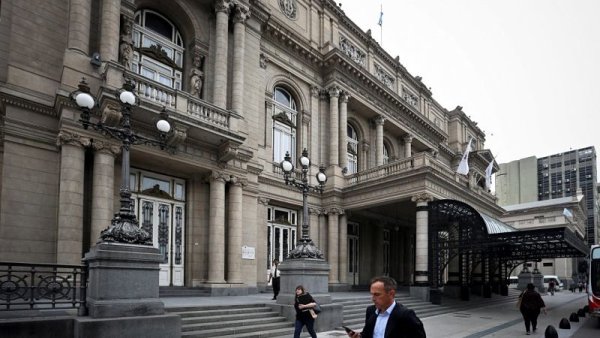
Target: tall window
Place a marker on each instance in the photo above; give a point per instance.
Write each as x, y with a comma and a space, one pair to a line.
284, 124
352, 140
158, 49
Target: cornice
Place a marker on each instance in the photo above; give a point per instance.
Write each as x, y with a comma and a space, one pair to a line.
11, 100
276, 32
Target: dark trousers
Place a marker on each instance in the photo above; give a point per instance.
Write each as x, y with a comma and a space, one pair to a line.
530, 317
276, 286
310, 323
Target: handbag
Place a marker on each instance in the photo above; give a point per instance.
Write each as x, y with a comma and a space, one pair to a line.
317, 308
312, 313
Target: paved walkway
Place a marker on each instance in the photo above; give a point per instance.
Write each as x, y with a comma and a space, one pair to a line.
497, 320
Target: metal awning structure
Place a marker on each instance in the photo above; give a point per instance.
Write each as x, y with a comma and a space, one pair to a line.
477, 247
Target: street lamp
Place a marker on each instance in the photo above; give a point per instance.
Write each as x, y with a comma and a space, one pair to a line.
305, 247
124, 226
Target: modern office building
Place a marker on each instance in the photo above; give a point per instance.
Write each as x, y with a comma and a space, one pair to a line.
555, 176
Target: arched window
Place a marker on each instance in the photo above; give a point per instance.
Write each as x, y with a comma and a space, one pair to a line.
386, 154
158, 49
352, 140
284, 124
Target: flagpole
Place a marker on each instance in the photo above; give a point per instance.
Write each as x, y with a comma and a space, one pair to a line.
381, 26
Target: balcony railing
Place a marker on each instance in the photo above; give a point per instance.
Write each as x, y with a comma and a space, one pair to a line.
155, 92
204, 111
25, 286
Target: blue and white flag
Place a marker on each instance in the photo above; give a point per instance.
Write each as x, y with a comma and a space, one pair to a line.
463, 166
380, 22
488, 174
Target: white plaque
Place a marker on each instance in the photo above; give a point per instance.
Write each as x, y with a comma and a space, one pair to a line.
247, 252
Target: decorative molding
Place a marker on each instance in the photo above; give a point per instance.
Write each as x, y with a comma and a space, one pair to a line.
106, 147
218, 176
15, 101
422, 198
223, 6
289, 8
384, 77
263, 60
263, 200
65, 137
353, 52
241, 13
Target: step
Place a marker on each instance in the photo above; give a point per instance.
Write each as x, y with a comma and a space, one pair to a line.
238, 331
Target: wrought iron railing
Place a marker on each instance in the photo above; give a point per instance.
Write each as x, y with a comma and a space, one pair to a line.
25, 286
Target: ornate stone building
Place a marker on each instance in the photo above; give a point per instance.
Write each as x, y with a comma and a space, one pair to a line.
243, 82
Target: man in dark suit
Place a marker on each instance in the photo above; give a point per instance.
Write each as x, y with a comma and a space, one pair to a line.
386, 318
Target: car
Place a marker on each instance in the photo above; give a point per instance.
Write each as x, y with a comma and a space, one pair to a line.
558, 284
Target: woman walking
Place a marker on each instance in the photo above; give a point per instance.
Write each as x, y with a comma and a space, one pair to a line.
303, 304
531, 304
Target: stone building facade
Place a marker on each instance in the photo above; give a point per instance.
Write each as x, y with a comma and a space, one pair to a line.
243, 83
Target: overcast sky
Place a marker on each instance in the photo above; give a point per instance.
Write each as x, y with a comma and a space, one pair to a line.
527, 71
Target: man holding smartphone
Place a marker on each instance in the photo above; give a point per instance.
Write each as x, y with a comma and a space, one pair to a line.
386, 318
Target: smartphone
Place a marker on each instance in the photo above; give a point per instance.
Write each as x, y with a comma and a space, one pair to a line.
348, 330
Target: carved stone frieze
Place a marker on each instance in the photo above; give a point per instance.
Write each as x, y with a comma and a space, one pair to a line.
384, 77
352, 51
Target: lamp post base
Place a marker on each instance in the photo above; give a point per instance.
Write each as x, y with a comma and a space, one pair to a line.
305, 248
124, 229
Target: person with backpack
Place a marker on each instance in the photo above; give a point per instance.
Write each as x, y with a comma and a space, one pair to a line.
388, 318
531, 305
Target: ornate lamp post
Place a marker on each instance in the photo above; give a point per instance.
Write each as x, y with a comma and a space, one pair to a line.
124, 226
305, 247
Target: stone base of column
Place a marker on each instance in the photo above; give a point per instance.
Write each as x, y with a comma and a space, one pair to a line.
420, 292
227, 289
339, 287
524, 279
313, 274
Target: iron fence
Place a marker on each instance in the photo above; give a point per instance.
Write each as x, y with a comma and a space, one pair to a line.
25, 286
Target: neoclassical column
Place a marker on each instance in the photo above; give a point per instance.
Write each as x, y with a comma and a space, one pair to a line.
343, 130
363, 161
79, 25
343, 258
422, 239
103, 187
261, 251
379, 121
315, 226
334, 126
333, 245
234, 233
241, 14
314, 142
109, 30
216, 228
70, 198
222, 8
407, 146
323, 230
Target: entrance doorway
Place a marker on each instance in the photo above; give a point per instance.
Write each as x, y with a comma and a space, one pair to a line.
160, 208
281, 234
353, 253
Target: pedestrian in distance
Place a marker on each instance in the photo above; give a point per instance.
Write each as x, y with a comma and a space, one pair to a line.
531, 305
304, 316
580, 286
551, 287
274, 277
388, 318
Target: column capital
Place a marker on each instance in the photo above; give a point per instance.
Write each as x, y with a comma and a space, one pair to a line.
365, 145
407, 138
217, 176
65, 137
422, 198
379, 120
223, 6
333, 91
264, 201
315, 91
315, 211
238, 181
344, 97
106, 147
335, 210
241, 13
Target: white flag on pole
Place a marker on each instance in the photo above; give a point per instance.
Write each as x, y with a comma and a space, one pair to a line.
463, 167
567, 213
488, 174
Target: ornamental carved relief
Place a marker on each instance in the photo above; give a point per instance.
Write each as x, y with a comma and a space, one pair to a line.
352, 51
383, 76
289, 8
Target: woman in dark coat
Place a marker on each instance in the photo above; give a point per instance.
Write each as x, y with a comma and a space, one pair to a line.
531, 304
303, 304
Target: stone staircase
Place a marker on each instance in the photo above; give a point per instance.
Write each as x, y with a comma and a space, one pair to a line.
260, 320
239, 321
181, 291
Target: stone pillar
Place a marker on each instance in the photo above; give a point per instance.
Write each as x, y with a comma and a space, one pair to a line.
323, 230
421, 283
70, 198
222, 8
407, 146
343, 258
79, 25
314, 227
216, 229
333, 126
363, 161
234, 233
343, 130
314, 142
109, 30
103, 187
261, 250
241, 13
379, 121
333, 246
